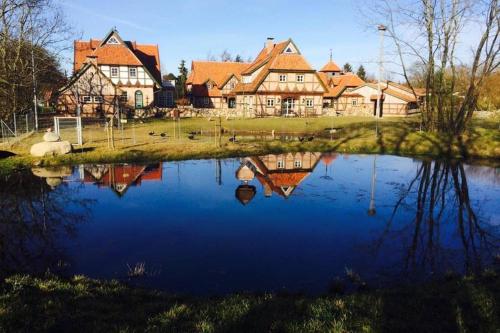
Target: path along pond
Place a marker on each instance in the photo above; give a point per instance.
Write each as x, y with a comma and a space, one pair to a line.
298, 222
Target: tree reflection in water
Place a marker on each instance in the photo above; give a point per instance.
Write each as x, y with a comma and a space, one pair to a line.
438, 198
34, 215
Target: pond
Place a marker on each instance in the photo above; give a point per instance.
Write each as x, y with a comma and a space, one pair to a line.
297, 222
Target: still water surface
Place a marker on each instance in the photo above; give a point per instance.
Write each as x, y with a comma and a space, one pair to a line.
293, 222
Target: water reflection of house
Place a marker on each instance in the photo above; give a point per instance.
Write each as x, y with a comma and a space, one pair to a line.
121, 177
280, 173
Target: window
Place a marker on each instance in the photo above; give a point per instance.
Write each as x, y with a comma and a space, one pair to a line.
289, 50
280, 164
86, 99
132, 71
113, 41
297, 164
98, 99
300, 78
139, 100
124, 97
114, 71
282, 77
354, 102
209, 85
231, 85
309, 103
270, 102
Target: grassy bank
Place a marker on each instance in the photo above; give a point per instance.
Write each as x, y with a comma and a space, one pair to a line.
83, 305
398, 136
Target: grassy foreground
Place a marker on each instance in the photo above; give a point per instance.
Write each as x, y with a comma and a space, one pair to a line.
80, 304
397, 136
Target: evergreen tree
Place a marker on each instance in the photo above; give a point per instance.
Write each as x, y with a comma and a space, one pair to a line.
180, 84
347, 68
238, 58
361, 73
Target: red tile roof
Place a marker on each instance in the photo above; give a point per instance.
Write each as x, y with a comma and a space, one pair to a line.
217, 72
130, 54
272, 59
337, 84
330, 67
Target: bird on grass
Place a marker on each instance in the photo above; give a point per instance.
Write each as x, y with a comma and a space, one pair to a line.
151, 133
301, 138
310, 138
163, 135
233, 138
191, 136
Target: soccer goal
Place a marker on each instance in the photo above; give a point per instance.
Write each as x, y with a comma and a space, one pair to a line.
69, 129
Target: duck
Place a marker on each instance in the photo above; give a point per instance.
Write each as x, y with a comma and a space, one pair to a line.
233, 138
191, 136
163, 135
301, 138
151, 133
310, 138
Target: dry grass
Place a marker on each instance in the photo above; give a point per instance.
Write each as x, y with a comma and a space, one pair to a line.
136, 142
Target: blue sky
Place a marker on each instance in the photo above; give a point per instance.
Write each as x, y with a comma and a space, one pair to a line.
192, 29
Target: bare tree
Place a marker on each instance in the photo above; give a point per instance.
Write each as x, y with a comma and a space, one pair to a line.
225, 56
32, 35
427, 34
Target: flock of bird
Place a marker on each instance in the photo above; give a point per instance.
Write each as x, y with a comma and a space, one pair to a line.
192, 136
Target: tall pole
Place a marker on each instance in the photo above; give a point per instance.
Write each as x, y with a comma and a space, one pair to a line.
381, 29
35, 102
371, 208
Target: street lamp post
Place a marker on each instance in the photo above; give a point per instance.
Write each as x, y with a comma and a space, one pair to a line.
381, 28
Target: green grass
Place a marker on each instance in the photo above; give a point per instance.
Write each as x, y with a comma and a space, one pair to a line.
80, 304
398, 136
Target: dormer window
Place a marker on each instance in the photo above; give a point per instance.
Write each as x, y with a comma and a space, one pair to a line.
132, 71
209, 85
113, 41
289, 50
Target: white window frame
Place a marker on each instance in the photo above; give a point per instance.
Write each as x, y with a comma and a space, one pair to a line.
113, 41
270, 102
283, 77
130, 72
112, 69
87, 99
300, 78
280, 164
309, 103
297, 164
98, 99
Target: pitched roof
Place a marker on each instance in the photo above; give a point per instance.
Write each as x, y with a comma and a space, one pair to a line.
273, 59
126, 53
418, 91
386, 90
330, 67
217, 72
337, 84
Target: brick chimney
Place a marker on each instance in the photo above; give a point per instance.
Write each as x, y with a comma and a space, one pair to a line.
269, 44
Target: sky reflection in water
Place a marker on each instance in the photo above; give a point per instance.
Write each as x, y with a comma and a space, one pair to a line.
294, 221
